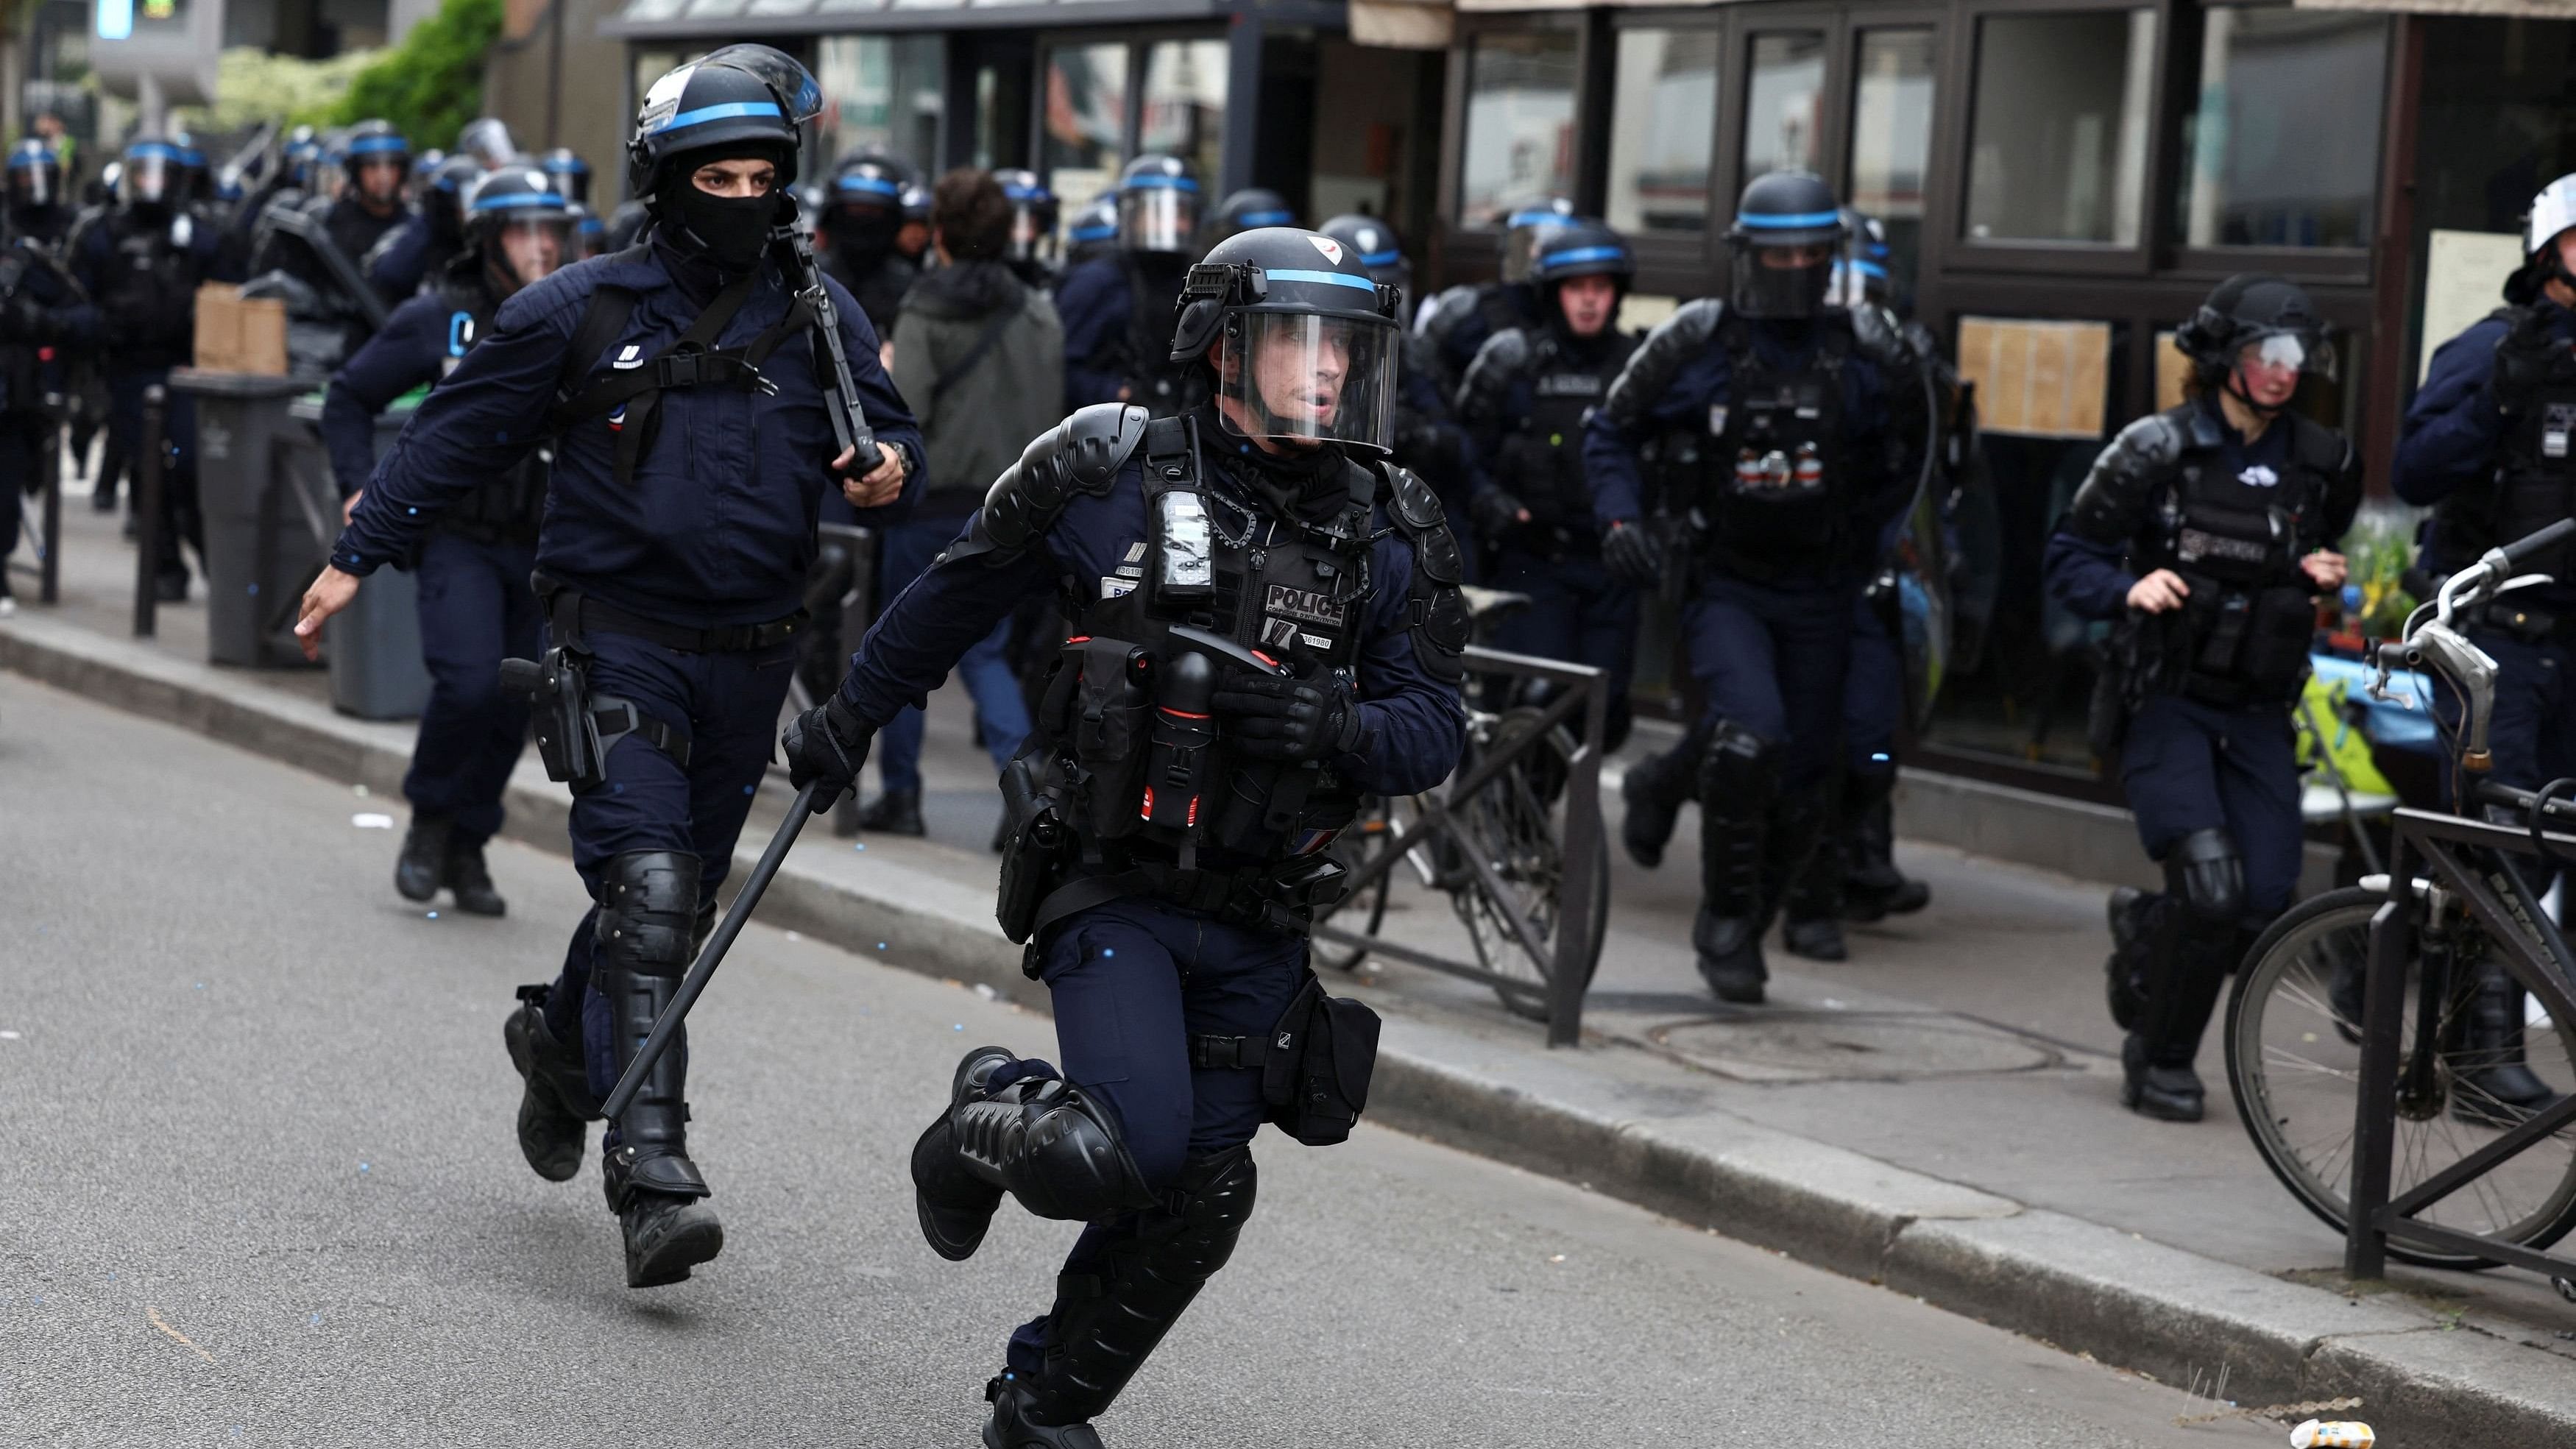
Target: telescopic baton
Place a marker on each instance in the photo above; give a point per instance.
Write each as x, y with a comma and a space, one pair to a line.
667, 1025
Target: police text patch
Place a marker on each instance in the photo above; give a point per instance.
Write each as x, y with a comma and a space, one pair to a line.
1303, 605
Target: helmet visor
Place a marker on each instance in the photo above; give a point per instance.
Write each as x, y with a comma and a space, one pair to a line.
1154, 216
1032, 232
1302, 376
778, 71
148, 177
1522, 237
35, 184
529, 244
2309, 352
1784, 282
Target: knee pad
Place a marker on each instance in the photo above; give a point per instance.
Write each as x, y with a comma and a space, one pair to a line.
1054, 1147
1738, 772
2205, 875
648, 909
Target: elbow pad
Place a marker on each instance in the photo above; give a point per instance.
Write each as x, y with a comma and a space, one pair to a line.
1498, 363
1651, 368
2113, 501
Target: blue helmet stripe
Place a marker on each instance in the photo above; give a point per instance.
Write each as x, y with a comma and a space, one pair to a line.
1268, 218
1789, 222
369, 145
873, 184
1380, 259
727, 111
1538, 216
1581, 254
1094, 233
151, 150
1336, 279
1158, 183
519, 199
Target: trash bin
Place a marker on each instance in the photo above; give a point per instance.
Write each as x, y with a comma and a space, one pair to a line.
268, 525
373, 646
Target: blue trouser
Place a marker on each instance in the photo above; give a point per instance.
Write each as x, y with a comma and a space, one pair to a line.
1001, 712
1132, 982
729, 704
1578, 614
1873, 693
475, 610
1772, 659
2190, 766
180, 518
2531, 732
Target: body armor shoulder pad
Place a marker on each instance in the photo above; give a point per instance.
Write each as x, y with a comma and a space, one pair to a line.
1503, 358
1674, 342
1435, 610
2112, 504
1081, 455
1877, 337
1450, 308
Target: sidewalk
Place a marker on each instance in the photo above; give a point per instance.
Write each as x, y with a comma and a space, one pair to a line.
1939, 1114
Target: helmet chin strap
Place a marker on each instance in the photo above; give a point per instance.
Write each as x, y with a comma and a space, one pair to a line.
2264, 411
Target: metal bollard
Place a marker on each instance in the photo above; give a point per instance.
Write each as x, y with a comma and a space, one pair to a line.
49, 576
148, 464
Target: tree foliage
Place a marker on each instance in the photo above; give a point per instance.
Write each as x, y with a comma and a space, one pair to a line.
431, 84
253, 85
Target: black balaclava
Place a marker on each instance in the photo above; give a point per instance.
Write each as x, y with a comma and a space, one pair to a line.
731, 232
863, 236
1300, 483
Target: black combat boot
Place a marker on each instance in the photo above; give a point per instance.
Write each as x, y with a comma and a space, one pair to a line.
1873, 888
422, 867
895, 812
1653, 790
2132, 913
1811, 913
471, 880
2168, 1094
1012, 1428
556, 1104
1735, 789
955, 1204
648, 909
2494, 1085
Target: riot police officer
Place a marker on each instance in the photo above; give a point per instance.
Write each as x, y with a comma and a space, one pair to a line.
1462, 317
860, 225
1525, 401
1033, 227
1429, 442
2207, 530
2485, 444
687, 391
475, 558
1809, 426
141, 265
566, 174
371, 204
1094, 232
1248, 209
44, 320
1263, 625
419, 250
1118, 308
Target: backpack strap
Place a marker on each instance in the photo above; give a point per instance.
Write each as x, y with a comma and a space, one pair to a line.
985, 341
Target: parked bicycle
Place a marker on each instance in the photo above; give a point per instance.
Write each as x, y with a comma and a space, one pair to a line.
2430, 1083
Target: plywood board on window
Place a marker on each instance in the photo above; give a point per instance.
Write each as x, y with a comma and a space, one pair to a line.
2464, 274
2037, 379
2172, 371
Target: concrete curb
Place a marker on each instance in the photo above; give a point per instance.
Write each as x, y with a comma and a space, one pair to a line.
2082, 1286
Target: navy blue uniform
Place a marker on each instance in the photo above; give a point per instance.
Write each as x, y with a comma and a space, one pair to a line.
714, 531
402, 259
142, 273
1109, 347
475, 605
47, 320
1133, 980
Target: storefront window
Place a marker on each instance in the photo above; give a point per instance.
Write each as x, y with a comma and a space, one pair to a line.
1663, 126
881, 90
2058, 142
1185, 105
1520, 123
1784, 94
2283, 149
1891, 141
1086, 121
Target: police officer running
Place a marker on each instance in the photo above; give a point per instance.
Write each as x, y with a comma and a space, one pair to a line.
2207, 530
2486, 444
1264, 626
1526, 399
419, 250
1461, 318
1810, 428
1118, 308
687, 386
475, 557
371, 206
1429, 442
44, 322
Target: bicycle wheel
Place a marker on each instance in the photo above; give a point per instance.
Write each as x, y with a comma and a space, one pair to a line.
1513, 825
1364, 910
2294, 1065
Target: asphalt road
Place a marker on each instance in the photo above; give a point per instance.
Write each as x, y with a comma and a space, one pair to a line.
258, 1184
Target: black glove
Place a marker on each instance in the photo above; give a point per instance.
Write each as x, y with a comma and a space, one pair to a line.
1496, 512
827, 743
1629, 553
23, 320
2522, 359
1271, 718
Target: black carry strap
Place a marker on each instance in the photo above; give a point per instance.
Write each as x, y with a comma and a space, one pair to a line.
615, 718
692, 361
985, 341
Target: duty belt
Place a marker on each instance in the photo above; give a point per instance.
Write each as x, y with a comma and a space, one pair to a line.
1251, 896
592, 615
2532, 626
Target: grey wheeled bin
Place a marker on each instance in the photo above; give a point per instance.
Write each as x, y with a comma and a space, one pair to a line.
269, 524
373, 646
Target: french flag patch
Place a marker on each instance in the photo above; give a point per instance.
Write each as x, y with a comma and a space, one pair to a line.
617, 419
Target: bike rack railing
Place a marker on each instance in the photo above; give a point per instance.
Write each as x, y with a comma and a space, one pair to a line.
1564, 965
2512, 918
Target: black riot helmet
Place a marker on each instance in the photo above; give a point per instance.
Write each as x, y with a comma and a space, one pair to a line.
1787, 229
2255, 319
865, 208
1253, 206
1860, 273
374, 140
1585, 249
1306, 340
1375, 244
743, 99
517, 209
567, 174
1525, 225
151, 173
1033, 215
1094, 231
1158, 205
443, 199
301, 154
35, 179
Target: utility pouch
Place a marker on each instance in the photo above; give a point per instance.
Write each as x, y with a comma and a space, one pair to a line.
2106, 714
559, 693
1033, 845
1315, 1064
1111, 732
2281, 629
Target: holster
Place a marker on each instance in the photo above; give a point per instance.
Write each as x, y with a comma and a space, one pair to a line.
1034, 841
557, 688
1315, 1064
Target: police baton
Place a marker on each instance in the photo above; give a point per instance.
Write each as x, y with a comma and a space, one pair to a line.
667, 1025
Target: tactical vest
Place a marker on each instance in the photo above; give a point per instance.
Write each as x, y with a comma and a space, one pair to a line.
23, 359
2535, 478
1541, 460
1155, 383
1215, 585
148, 295
508, 508
2243, 634
1775, 489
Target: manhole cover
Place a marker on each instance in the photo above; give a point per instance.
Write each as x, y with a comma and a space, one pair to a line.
1780, 1047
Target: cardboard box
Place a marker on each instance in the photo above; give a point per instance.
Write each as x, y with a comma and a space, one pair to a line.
238, 336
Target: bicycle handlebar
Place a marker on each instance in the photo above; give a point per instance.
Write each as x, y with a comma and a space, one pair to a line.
2523, 548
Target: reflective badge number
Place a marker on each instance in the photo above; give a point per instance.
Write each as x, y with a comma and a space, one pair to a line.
1717, 420
1278, 633
1112, 587
2556, 423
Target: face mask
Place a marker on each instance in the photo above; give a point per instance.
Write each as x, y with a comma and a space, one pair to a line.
733, 230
